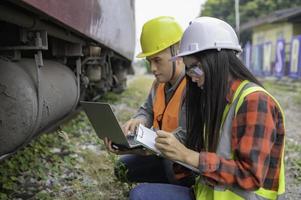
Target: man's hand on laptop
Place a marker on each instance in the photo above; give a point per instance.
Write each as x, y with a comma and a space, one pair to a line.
139, 151
109, 147
130, 126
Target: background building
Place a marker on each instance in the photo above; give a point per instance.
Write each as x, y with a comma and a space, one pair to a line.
275, 44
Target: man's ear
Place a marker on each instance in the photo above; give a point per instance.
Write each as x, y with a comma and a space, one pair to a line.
179, 61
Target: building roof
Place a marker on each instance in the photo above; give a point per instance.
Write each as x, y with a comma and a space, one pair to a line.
292, 14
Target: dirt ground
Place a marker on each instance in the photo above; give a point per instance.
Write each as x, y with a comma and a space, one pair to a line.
72, 163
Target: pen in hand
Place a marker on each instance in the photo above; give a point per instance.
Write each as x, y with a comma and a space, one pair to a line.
154, 129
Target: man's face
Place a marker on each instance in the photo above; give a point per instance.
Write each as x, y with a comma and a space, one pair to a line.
161, 66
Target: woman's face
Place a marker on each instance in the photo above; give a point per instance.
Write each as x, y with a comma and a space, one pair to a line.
194, 70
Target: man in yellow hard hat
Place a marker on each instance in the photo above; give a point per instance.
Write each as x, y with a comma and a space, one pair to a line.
164, 108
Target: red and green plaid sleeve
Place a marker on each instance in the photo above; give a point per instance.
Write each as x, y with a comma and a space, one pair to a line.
257, 142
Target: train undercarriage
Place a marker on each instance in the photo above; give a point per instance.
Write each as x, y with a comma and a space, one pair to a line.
47, 66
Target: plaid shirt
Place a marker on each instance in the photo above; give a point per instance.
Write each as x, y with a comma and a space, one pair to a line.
257, 143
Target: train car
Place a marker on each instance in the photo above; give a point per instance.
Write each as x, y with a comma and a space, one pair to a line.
53, 54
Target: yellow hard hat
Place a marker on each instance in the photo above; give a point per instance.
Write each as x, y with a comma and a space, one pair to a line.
158, 34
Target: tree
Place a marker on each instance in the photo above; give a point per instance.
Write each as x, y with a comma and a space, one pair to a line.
225, 9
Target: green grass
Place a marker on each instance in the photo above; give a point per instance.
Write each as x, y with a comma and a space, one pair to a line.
280, 88
137, 89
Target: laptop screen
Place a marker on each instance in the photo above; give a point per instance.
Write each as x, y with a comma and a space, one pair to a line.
104, 121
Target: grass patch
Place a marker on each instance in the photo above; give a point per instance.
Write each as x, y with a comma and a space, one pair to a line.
291, 90
137, 88
27, 172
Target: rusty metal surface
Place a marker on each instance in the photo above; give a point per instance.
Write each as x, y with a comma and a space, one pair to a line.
110, 22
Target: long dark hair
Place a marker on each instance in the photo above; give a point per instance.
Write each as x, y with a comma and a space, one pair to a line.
205, 106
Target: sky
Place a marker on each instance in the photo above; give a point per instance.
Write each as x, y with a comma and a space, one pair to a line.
182, 10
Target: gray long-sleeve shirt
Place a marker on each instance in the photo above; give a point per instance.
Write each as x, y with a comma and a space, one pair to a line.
146, 113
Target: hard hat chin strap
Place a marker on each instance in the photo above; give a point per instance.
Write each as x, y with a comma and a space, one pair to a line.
172, 52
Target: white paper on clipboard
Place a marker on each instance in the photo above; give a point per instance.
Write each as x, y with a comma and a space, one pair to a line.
146, 137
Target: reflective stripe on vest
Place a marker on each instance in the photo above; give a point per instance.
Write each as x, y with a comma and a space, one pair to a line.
203, 191
168, 116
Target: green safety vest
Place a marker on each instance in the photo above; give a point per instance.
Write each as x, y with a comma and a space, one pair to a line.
205, 192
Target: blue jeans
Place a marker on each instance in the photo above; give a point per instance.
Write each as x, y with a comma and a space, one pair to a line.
151, 169
150, 191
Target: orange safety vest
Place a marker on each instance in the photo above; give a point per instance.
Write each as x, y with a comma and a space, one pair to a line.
167, 117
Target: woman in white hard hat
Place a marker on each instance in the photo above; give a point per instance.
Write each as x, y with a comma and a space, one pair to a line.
235, 128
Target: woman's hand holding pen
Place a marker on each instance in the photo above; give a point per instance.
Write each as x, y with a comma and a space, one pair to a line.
173, 149
169, 146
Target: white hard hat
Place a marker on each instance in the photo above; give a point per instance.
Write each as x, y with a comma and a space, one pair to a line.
205, 33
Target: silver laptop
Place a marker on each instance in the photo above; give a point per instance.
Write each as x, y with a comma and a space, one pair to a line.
106, 124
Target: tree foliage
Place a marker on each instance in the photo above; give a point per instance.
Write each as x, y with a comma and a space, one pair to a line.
225, 9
